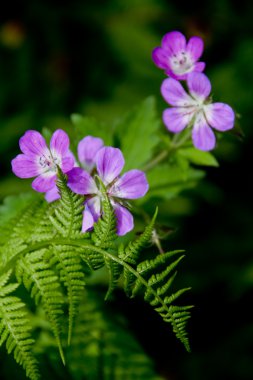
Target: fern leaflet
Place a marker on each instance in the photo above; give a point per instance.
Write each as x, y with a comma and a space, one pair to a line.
15, 328
43, 284
72, 276
104, 233
131, 253
67, 218
156, 284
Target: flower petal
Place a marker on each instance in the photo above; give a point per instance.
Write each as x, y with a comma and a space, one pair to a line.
174, 42
125, 220
59, 143
199, 86
199, 67
202, 135
94, 205
52, 194
44, 182
33, 144
174, 93
177, 119
68, 162
91, 214
80, 182
25, 167
132, 185
178, 77
110, 162
195, 47
87, 150
88, 219
160, 58
220, 116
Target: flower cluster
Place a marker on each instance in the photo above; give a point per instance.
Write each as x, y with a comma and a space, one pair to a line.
194, 109
37, 160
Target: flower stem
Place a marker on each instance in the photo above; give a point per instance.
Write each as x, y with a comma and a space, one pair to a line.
160, 157
177, 141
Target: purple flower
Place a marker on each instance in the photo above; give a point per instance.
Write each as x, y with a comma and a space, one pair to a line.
37, 160
86, 150
194, 109
177, 57
132, 185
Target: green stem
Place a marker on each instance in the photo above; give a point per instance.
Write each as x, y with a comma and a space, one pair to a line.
159, 158
176, 143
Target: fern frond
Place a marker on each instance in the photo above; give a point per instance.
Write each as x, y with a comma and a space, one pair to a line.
67, 218
15, 328
21, 228
104, 233
71, 275
154, 278
104, 236
130, 254
30, 225
42, 229
149, 270
43, 284
28, 220
115, 271
11, 212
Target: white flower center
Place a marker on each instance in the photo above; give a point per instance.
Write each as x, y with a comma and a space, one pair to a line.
49, 162
181, 63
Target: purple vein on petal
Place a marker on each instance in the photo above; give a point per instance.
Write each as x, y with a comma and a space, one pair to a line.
132, 185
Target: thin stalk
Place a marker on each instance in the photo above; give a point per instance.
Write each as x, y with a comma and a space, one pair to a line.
176, 143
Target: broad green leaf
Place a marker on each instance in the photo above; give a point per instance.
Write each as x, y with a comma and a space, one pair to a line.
167, 181
88, 126
198, 157
137, 132
13, 204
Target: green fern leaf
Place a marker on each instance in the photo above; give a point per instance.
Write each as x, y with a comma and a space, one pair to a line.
42, 228
15, 328
131, 254
11, 212
18, 232
71, 275
115, 271
155, 278
67, 218
146, 270
104, 236
43, 284
104, 233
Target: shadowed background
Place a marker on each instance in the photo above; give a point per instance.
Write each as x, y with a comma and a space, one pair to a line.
93, 57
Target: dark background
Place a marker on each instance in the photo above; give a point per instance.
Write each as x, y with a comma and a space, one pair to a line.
93, 57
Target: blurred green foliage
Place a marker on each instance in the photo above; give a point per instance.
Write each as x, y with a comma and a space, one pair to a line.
93, 58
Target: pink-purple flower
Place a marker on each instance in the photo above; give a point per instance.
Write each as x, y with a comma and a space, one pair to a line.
195, 110
37, 160
87, 149
131, 185
177, 57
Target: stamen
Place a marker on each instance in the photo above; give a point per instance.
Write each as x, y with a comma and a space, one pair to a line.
49, 162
